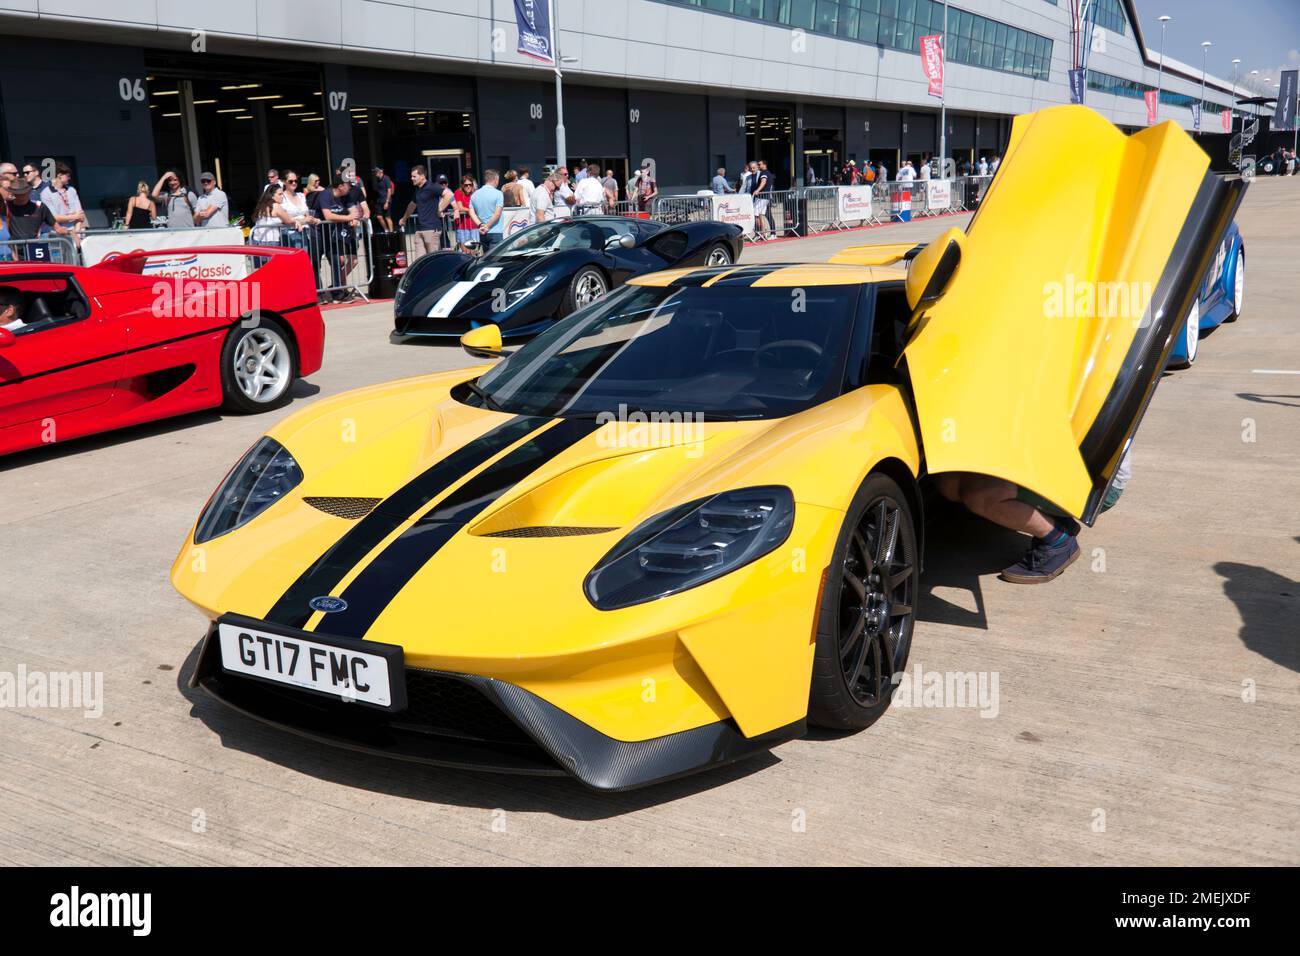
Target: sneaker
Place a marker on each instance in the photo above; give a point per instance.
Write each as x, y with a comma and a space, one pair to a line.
1041, 562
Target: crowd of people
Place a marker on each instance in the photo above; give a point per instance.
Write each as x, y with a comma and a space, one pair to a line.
35, 207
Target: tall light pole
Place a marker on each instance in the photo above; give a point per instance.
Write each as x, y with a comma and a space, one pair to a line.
1235, 63
560, 158
1205, 57
1160, 75
943, 106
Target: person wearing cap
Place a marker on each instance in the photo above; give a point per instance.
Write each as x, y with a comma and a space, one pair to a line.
383, 199
213, 208
647, 189
29, 218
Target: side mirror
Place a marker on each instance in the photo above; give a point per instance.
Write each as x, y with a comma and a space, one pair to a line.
7, 338
483, 342
933, 268
624, 241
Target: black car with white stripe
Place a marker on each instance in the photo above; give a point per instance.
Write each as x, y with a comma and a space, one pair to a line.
546, 271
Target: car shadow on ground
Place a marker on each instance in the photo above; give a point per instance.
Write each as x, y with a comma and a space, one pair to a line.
559, 796
77, 446
1294, 400
1269, 605
960, 548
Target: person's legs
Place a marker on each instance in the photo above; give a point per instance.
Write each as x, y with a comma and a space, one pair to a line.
1053, 548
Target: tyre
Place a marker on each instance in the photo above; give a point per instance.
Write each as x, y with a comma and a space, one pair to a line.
1238, 287
588, 285
864, 624
1191, 337
258, 367
719, 254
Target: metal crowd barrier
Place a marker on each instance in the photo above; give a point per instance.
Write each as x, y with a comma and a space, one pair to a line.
55, 249
679, 209
342, 257
823, 209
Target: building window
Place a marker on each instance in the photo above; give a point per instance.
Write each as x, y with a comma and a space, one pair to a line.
899, 24
1111, 16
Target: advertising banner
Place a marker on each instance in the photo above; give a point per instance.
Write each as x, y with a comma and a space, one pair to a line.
1078, 84
854, 203
932, 63
1284, 114
938, 195
1196, 117
96, 247
514, 218
735, 208
1150, 97
536, 39
1226, 116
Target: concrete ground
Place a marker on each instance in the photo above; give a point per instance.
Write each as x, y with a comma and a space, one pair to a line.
1148, 705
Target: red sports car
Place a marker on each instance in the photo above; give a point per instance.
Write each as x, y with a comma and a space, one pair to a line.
152, 334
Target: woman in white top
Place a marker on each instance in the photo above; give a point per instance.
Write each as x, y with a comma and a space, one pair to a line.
270, 216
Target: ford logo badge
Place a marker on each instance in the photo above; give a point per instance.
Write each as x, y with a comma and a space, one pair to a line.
328, 604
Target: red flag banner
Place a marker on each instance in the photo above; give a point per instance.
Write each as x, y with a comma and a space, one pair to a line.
1227, 120
932, 63
1150, 97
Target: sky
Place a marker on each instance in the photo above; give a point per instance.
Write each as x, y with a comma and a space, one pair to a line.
1264, 34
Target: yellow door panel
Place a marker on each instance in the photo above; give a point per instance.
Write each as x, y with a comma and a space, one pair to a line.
1036, 363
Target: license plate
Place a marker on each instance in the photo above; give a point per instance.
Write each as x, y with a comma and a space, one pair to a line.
357, 671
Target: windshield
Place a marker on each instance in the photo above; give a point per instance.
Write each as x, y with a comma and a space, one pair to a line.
545, 237
723, 352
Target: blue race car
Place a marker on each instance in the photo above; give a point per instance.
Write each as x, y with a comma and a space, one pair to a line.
1221, 298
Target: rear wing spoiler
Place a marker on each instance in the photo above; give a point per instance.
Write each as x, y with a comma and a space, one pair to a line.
880, 254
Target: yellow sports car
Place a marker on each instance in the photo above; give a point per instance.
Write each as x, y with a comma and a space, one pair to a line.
685, 521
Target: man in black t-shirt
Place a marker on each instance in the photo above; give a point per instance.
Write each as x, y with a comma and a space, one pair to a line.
342, 218
383, 199
27, 217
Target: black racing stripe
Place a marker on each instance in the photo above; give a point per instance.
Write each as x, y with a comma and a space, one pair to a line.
341, 557
699, 277
385, 577
746, 276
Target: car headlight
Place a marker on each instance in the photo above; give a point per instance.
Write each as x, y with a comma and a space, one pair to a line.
693, 543
263, 476
530, 286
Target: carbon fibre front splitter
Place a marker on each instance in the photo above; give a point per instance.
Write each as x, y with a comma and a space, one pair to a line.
546, 741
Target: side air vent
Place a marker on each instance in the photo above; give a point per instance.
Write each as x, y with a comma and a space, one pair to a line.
547, 531
353, 509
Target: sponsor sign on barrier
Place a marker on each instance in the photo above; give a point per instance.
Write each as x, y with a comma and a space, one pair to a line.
735, 208
514, 218
938, 195
96, 247
854, 203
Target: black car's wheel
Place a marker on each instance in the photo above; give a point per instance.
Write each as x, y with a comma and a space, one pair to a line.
588, 285
719, 254
258, 366
864, 624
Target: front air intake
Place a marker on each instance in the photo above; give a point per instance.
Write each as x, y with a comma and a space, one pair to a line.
353, 509
547, 531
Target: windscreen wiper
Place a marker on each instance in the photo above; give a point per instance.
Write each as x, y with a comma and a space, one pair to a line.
488, 401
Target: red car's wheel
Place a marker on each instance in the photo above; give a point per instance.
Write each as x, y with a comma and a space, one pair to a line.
258, 366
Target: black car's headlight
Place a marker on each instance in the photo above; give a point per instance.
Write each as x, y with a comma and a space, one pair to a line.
691, 544
529, 286
263, 476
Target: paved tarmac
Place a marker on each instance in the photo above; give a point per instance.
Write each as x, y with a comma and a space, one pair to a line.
1147, 708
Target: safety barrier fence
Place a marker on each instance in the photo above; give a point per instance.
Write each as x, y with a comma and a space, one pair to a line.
58, 250
346, 259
